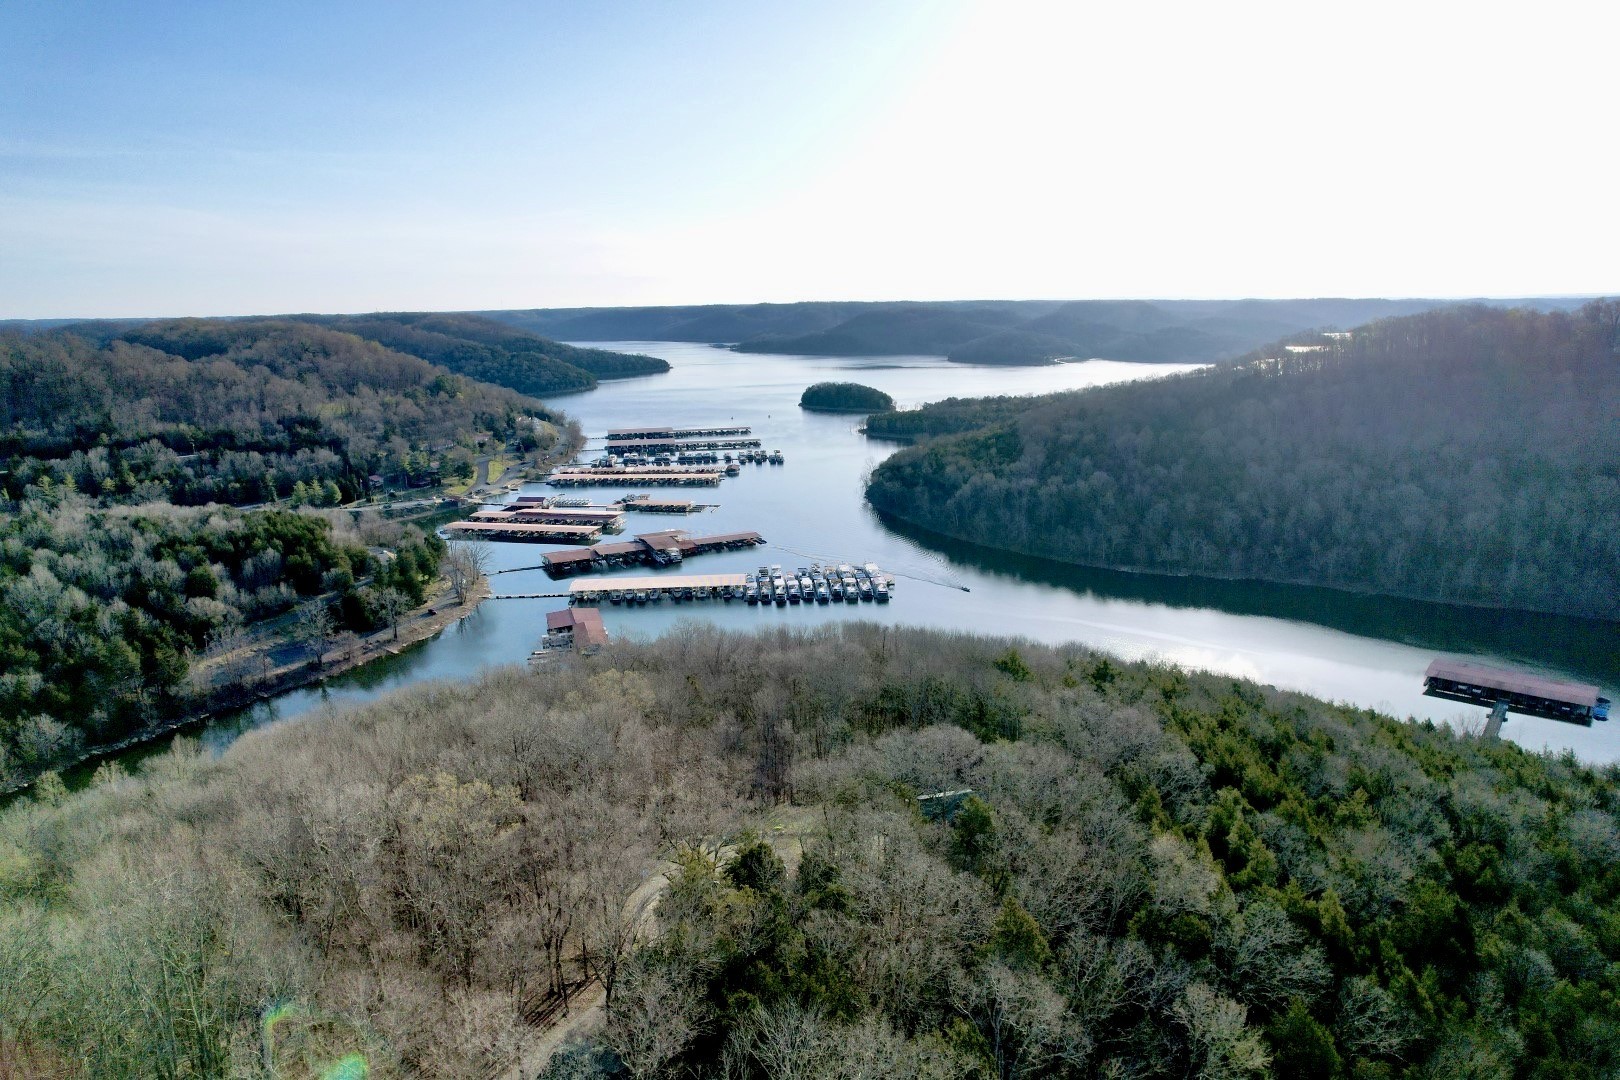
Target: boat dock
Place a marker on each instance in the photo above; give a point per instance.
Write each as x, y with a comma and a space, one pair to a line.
1531, 695
621, 434
766, 588
609, 518
601, 469
524, 533
647, 505
636, 478
663, 586
650, 549
678, 445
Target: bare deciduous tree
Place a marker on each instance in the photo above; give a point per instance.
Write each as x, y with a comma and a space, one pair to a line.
466, 564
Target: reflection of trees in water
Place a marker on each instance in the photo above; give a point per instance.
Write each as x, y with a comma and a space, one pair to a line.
1576, 647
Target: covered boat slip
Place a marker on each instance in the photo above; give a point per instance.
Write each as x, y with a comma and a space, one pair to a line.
522, 532
620, 434
677, 445
638, 478
611, 519
590, 592
1531, 695
657, 549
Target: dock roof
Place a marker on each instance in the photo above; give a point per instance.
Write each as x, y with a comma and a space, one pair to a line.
1513, 682
619, 547
585, 623
524, 527
728, 538
560, 512
569, 555
654, 581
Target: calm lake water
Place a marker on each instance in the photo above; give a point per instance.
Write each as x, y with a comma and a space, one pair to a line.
1368, 651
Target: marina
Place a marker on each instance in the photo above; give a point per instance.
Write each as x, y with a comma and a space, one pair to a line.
1370, 651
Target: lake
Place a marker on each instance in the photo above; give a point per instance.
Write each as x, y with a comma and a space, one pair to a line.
1369, 651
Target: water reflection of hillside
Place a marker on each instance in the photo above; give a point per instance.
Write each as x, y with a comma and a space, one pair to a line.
1577, 648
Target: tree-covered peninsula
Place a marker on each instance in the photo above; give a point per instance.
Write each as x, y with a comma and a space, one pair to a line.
152, 531
858, 852
495, 352
845, 397
1468, 455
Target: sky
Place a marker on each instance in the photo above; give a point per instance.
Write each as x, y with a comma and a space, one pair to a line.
234, 158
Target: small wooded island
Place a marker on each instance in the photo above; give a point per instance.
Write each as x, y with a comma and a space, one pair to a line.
845, 397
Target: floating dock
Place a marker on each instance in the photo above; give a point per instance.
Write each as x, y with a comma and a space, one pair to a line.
677, 445
520, 532
609, 518
621, 434
1531, 695
620, 470
665, 506
636, 478
679, 587
651, 549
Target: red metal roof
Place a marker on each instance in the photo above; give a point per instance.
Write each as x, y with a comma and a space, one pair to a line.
588, 628
1513, 682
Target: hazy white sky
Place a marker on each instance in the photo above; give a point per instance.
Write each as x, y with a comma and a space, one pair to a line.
217, 159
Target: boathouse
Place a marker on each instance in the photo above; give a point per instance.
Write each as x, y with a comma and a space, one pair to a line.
655, 549
578, 627
522, 532
1528, 694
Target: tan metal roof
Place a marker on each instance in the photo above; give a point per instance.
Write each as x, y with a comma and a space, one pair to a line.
1513, 682
583, 554
654, 581
520, 527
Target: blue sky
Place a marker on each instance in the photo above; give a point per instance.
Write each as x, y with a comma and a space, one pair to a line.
234, 158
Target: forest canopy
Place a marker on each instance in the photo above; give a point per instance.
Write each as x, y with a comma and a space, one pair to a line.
1470, 455
845, 397
102, 612
901, 853
494, 352
195, 411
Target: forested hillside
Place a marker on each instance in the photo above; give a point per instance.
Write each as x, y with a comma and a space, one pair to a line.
110, 592
982, 332
494, 352
104, 612
1470, 455
234, 411
1138, 872
950, 417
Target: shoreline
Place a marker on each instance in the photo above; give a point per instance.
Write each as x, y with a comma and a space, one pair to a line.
415, 626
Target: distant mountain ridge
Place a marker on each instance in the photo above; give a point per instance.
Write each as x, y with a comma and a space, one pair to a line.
988, 331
